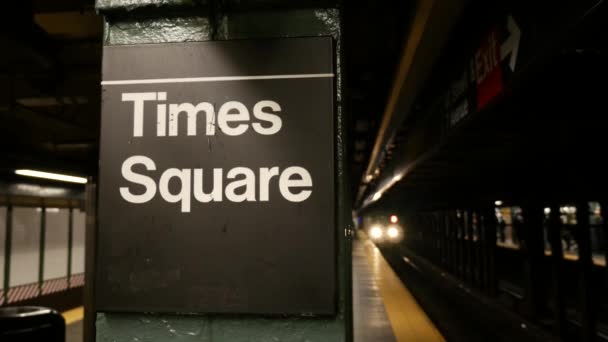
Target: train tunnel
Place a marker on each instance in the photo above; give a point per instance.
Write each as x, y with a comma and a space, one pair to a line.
267, 170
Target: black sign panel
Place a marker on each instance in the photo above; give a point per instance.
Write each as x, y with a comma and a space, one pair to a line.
217, 178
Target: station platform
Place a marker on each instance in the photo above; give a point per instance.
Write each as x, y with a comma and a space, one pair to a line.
383, 308
73, 324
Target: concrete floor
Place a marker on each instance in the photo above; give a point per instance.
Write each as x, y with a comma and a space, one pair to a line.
370, 321
73, 332
383, 308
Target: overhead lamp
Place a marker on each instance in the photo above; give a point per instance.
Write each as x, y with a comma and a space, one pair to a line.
498, 203
50, 175
394, 219
377, 196
397, 178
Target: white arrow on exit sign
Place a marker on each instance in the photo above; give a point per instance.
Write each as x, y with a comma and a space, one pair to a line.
511, 45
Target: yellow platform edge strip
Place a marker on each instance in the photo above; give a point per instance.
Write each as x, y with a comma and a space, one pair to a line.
73, 315
408, 321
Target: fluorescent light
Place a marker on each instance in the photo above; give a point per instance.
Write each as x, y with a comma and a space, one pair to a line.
397, 178
377, 196
49, 175
394, 219
498, 203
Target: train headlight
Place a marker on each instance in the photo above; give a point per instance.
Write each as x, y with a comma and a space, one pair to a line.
392, 232
375, 232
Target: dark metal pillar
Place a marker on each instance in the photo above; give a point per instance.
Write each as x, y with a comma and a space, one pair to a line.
557, 257
489, 224
453, 243
454, 257
89, 259
586, 289
462, 246
466, 227
532, 248
483, 258
477, 244
436, 239
444, 239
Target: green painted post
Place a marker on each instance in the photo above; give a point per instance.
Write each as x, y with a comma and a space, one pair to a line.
149, 21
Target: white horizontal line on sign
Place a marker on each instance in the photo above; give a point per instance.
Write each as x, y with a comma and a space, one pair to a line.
214, 79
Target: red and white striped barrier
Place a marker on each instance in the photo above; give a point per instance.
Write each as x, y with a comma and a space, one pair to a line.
54, 285
23, 292
77, 280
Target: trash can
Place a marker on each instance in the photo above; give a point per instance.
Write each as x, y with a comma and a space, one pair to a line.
31, 323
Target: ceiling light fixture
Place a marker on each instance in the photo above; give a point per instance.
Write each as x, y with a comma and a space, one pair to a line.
49, 175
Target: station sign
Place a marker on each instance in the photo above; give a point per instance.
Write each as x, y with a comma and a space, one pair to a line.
216, 189
492, 64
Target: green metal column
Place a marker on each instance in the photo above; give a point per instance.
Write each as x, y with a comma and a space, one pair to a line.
161, 21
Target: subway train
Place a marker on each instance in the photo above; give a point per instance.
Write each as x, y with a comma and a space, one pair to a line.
545, 264
382, 229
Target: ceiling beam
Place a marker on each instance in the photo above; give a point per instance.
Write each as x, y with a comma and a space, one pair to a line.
430, 30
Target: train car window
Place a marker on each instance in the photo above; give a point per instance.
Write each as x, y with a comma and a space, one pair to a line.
475, 226
547, 212
569, 222
465, 225
459, 228
597, 233
508, 232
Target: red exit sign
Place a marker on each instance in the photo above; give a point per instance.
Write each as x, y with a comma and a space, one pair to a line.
501, 44
488, 72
